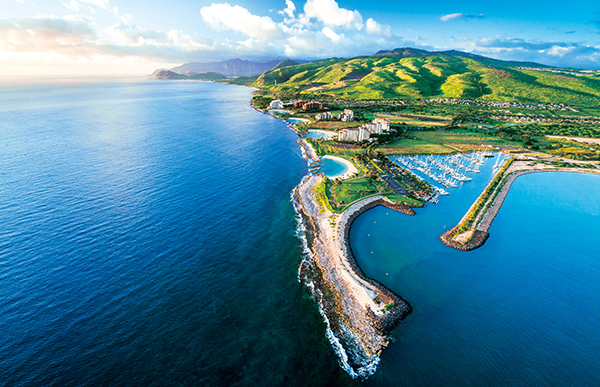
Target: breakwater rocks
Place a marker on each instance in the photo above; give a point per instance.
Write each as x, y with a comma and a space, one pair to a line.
353, 306
480, 232
385, 323
477, 239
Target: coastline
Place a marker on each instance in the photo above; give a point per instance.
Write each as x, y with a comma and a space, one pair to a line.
350, 168
477, 235
352, 305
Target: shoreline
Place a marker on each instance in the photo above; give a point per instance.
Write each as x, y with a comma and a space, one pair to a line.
478, 234
350, 168
352, 305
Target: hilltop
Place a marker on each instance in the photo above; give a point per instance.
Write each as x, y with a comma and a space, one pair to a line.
409, 73
232, 68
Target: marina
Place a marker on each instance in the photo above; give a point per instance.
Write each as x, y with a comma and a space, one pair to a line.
449, 171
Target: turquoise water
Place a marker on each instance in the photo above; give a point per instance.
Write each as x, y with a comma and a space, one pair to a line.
148, 238
332, 168
313, 134
297, 120
521, 310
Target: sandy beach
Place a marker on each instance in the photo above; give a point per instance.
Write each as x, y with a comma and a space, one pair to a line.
351, 169
352, 305
327, 133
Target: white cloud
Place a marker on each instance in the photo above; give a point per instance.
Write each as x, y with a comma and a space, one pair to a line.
329, 13
451, 16
73, 5
335, 38
374, 28
460, 16
226, 17
562, 54
289, 10
98, 3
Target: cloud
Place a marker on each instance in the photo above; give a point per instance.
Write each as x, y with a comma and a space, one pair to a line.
98, 3
289, 10
73, 5
460, 16
330, 14
226, 17
555, 53
374, 28
335, 38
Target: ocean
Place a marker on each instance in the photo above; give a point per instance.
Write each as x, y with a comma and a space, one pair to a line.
148, 238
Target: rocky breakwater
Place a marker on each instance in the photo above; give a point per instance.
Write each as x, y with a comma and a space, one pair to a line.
359, 312
483, 218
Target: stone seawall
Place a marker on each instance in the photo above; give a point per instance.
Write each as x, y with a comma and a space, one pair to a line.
357, 324
481, 231
386, 323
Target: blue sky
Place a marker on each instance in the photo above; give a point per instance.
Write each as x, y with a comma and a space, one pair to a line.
137, 36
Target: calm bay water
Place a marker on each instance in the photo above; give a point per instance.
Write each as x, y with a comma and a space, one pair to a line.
332, 168
147, 238
521, 310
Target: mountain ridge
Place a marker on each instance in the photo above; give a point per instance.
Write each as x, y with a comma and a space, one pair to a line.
409, 73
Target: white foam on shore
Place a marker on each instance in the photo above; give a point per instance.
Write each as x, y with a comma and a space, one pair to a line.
368, 366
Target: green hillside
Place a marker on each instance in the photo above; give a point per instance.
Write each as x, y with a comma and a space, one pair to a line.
410, 73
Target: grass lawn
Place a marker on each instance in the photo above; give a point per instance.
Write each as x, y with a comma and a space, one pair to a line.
403, 199
435, 142
351, 190
415, 121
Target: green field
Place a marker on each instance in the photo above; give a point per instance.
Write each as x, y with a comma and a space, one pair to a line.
351, 190
436, 142
416, 121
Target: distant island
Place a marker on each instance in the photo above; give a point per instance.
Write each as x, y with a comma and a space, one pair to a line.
377, 113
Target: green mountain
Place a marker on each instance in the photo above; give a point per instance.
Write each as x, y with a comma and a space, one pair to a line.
410, 73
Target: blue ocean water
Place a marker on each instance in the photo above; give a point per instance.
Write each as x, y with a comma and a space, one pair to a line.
521, 310
147, 238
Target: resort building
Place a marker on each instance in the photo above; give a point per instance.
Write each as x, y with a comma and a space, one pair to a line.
347, 115
308, 105
353, 134
299, 103
364, 132
326, 116
276, 104
312, 105
385, 123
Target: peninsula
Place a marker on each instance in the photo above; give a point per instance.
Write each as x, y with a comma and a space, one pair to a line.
409, 124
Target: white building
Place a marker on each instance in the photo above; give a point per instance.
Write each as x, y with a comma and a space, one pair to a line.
326, 116
373, 128
347, 115
354, 134
276, 104
385, 123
